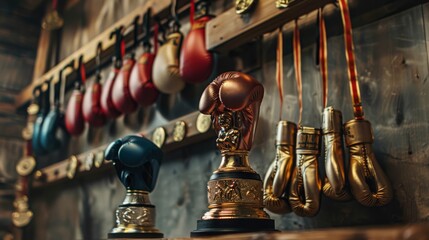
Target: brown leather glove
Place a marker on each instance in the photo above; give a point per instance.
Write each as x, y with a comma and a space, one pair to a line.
280, 170
335, 181
305, 188
368, 183
165, 74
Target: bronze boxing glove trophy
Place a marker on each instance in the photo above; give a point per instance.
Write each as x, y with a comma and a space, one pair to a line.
234, 191
136, 161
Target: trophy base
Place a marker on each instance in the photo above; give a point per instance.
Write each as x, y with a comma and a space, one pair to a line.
121, 235
135, 218
215, 227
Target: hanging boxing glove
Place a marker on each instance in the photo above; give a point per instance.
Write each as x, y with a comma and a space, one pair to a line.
142, 89
280, 170
121, 96
91, 107
368, 183
38, 150
53, 132
166, 73
107, 105
136, 160
304, 196
335, 181
74, 116
194, 52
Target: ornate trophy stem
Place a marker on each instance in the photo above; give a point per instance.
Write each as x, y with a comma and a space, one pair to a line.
137, 162
234, 191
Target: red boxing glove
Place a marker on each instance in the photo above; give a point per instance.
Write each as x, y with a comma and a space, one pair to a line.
121, 97
235, 92
107, 105
74, 115
196, 63
142, 88
91, 107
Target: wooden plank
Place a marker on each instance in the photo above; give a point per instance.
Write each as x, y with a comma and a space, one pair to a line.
229, 29
88, 50
40, 63
57, 172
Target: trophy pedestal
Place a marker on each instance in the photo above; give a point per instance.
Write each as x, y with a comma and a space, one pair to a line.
135, 218
235, 199
230, 226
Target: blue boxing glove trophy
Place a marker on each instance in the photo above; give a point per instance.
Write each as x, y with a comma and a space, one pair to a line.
136, 161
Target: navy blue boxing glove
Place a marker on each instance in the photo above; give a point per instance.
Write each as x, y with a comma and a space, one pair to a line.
136, 160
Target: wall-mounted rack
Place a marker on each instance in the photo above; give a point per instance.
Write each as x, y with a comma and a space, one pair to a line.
229, 29
59, 171
160, 9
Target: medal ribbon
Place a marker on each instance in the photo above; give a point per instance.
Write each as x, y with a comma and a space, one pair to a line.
192, 12
279, 68
323, 58
155, 38
351, 62
297, 65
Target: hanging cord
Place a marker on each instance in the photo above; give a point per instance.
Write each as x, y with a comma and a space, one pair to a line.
297, 65
351, 62
323, 58
98, 62
119, 46
52, 92
63, 85
81, 72
54, 4
192, 12
155, 38
279, 68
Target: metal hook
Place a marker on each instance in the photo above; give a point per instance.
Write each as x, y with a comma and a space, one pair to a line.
62, 82
146, 28
117, 33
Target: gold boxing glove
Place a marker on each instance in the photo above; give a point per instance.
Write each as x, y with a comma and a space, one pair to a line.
334, 185
279, 172
305, 188
368, 182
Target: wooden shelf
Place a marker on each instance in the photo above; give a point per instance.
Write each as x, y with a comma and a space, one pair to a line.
229, 30
58, 172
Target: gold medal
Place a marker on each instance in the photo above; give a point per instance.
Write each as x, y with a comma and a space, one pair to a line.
158, 136
99, 159
179, 131
21, 219
280, 4
39, 175
244, 6
21, 216
27, 132
204, 123
33, 109
89, 161
26, 166
72, 167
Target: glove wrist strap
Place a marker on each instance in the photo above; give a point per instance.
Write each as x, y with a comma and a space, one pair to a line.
358, 132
